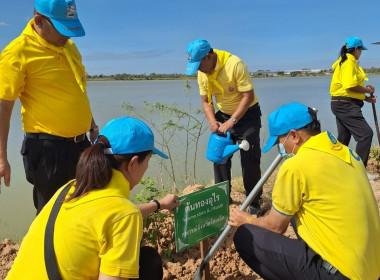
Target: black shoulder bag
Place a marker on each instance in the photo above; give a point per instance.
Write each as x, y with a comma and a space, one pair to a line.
49, 253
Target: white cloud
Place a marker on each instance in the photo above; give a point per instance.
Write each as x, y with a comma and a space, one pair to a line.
2, 23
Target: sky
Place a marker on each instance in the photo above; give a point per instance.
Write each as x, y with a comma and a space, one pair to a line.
137, 37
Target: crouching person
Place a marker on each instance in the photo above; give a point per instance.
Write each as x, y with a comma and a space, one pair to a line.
97, 230
323, 185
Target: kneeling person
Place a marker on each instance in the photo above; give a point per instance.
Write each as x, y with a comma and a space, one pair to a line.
324, 186
98, 230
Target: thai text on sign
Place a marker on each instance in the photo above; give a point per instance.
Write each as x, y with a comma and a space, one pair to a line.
201, 215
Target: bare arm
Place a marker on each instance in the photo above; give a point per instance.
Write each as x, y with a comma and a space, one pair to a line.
360, 89
209, 111
242, 108
107, 277
274, 221
6, 108
93, 134
368, 89
168, 202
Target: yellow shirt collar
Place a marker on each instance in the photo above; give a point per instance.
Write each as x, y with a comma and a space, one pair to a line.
65, 50
349, 57
31, 33
327, 142
117, 187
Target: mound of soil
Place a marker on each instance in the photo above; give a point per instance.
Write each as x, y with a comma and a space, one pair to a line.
224, 265
8, 252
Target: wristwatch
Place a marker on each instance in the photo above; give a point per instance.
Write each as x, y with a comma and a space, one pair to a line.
158, 205
233, 120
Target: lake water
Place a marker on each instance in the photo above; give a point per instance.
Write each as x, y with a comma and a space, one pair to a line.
16, 206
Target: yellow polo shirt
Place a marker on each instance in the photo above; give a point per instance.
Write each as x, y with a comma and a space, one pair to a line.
50, 82
235, 78
326, 187
346, 76
100, 231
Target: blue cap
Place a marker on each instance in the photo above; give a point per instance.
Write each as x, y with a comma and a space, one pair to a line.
195, 51
63, 15
128, 136
353, 42
290, 116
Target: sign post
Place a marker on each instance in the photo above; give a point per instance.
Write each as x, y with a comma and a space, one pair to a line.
201, 215
204, 250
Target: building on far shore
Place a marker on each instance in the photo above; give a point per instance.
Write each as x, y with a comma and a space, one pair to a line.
292, 73
266, 73
304, 71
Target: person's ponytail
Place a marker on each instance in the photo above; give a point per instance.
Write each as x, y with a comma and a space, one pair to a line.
343, 53
94, 169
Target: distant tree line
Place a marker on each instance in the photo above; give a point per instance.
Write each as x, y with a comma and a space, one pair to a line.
305, 72
129, 77
258, 74
372, 70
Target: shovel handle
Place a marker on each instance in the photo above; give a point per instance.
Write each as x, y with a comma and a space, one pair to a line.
199, 272
375, 118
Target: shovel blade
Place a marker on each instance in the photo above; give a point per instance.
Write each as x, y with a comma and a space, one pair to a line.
198, 275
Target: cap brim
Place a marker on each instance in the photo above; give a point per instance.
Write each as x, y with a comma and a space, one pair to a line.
69, 28
158, 152
270, 143
192, 67
364, 48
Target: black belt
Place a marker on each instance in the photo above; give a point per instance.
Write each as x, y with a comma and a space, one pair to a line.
332, 270
45, 136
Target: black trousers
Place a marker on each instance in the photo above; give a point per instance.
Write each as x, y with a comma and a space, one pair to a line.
49, 165
150, 264
276, 257
350, 121
248, 128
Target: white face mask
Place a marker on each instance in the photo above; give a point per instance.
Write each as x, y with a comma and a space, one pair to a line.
282, 151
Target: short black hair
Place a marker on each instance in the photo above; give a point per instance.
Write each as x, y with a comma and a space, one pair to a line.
314, 127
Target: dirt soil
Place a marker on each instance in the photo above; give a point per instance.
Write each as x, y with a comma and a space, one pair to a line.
224, 265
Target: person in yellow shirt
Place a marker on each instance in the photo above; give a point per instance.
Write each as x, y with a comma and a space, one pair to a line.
323, 188
347, 92
97, 230
226, 77
43, 68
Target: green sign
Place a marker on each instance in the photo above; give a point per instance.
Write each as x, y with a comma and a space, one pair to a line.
202, 214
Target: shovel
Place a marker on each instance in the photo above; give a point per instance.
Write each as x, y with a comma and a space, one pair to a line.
375, 117
374, 111
198, 274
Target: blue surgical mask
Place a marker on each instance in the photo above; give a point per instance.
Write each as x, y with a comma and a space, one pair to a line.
282, 151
